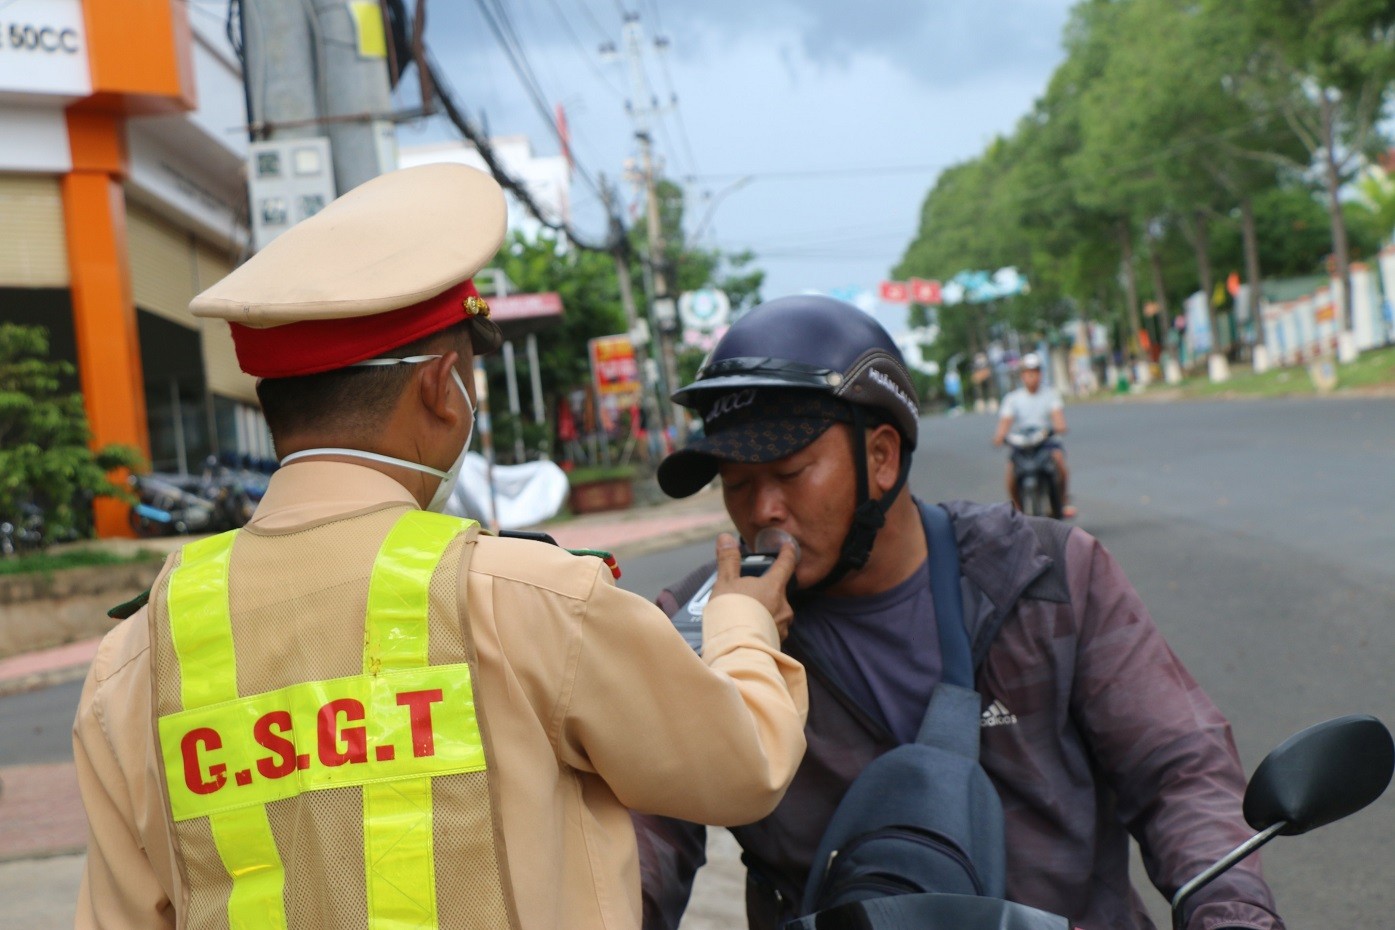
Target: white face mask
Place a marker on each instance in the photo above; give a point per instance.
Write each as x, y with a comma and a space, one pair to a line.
448, 478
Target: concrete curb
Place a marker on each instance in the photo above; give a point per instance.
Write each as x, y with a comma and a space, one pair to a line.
42, 854
45, 679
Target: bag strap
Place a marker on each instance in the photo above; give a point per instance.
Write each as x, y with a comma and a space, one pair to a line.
955, 655
951, 720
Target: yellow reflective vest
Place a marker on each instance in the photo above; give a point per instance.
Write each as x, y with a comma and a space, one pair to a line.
241, 769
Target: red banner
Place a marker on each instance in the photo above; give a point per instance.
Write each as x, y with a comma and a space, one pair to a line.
895, 292
925, 292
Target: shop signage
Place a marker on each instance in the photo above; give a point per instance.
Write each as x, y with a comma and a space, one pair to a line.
704, 310
43, 48
613, 367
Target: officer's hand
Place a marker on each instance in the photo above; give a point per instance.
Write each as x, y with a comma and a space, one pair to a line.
768, 588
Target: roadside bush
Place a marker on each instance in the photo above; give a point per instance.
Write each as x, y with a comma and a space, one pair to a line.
49, 474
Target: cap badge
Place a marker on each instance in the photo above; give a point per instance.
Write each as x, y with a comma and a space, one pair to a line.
476, 306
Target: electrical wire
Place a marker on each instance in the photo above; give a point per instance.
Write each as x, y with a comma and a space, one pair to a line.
595, 23
578, 139
508, 40
654, 8
662, 55
803, 174
617, 240
581, 50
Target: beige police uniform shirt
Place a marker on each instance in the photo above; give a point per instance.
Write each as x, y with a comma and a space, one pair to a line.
592, 704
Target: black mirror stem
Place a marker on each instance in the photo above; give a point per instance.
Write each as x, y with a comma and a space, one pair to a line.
1228, 860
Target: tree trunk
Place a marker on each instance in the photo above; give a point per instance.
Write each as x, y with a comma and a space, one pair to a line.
1159, 289
1130, 286
1201, 242
971, 318
1084, 306
1332, 176
1252, 274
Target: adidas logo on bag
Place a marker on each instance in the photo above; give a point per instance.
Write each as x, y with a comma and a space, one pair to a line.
997, 715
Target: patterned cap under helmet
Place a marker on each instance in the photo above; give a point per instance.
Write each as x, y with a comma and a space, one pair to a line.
811, 343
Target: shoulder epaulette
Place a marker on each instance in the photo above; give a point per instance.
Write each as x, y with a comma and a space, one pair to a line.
601, 554
122, 611
604, 556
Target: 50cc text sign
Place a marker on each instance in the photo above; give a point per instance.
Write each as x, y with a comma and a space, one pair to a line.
43, 48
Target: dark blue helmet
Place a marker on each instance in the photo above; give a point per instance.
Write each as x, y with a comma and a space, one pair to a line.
810, 343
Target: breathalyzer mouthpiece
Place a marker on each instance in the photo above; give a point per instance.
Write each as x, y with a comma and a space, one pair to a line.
769, 540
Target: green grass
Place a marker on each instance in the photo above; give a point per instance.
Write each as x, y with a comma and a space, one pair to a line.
47, 562
1374, 368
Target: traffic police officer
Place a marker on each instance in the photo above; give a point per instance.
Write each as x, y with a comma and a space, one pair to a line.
359, 713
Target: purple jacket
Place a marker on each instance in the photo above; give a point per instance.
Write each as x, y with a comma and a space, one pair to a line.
1092, 730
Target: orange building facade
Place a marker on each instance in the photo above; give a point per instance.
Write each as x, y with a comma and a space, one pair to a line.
122, 194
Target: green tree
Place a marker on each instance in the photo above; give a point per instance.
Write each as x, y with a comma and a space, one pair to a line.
1378, 192
45, 452
587, 284
1326, 67
1167, 141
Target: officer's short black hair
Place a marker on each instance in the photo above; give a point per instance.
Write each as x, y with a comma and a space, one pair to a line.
351, 400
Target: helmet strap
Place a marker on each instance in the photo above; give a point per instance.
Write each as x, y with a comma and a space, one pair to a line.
869, 515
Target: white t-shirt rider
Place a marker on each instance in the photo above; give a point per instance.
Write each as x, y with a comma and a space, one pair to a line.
1030, 409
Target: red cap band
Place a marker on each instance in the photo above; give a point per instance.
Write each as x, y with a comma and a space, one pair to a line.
312, 346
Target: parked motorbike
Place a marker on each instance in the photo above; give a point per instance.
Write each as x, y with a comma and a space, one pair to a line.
1316, 777
221, 498
24, 532
1038, 483
33, 525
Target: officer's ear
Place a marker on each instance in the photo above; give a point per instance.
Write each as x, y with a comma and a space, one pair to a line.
437, 389
883, 458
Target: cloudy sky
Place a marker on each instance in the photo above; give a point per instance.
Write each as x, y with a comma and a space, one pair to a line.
806, 130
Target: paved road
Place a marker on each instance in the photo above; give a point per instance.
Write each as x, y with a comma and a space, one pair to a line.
1262, 536
37, 726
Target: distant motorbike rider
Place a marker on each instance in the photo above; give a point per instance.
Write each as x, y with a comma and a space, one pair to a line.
1034, 407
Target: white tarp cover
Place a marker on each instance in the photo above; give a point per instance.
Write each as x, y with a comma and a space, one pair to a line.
527, 494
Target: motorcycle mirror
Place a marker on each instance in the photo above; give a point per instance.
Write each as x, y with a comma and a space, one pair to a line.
1320, 775
1316, 776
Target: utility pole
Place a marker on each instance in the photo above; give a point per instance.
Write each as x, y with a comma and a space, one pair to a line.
320, 69
639, 329
278, 71
662, 312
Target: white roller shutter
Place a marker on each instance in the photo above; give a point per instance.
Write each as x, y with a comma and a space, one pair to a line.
162, 265
168, 268
33, 250
219, 358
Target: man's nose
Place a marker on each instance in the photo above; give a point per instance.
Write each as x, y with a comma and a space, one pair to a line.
769, 505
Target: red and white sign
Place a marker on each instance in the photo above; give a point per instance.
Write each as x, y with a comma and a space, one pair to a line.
613, 366
895, 292
925, 292
524, 306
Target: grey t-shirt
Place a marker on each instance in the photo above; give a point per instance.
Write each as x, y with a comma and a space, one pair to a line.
1030, 410
884, 650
